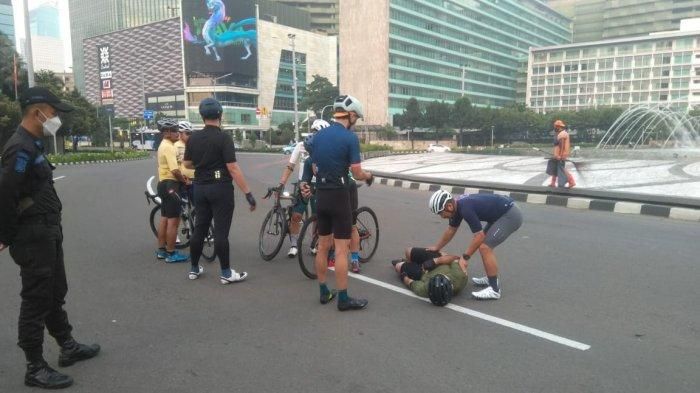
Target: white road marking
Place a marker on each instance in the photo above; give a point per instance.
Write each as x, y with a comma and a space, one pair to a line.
58, 178
477, 314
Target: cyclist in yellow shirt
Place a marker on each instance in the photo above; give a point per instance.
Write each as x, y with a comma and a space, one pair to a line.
169, 180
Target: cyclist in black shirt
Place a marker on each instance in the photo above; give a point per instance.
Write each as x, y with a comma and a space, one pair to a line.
212, 155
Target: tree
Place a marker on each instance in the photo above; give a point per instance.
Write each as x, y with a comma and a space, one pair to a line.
412, 117
437, 114
49, 80
10, 61
10, 117
461, 116
319, 93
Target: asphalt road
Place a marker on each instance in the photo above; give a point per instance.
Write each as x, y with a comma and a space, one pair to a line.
624, 285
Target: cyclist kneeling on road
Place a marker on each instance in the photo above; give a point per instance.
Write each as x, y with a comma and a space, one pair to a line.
432, 274
502, 218
334, 151
212, 154
170, 179
299, 154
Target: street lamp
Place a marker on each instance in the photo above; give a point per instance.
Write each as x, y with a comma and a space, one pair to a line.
215, 80
492, 137
464, 74
292, 38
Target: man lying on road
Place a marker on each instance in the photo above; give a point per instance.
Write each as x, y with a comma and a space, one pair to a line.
432, 274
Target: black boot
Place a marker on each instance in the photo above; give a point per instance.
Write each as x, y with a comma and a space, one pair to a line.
39, 374
72, 351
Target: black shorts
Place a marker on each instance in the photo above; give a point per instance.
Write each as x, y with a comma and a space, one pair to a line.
419, 255
333, 212
353, 202
169, 202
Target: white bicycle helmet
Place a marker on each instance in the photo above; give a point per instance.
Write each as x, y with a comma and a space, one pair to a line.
185, 126
319, 124
345, 104
438, 201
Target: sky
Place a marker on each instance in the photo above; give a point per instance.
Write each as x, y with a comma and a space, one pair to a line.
65, 24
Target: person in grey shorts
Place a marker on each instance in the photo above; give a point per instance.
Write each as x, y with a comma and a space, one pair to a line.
502, 218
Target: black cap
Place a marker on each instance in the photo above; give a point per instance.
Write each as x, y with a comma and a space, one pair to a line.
42, 95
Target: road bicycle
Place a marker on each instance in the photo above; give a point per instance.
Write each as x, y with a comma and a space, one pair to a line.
367, 226
276, 224
187, 219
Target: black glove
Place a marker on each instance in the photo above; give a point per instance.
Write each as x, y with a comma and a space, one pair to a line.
429, 264
370, 180
249, 197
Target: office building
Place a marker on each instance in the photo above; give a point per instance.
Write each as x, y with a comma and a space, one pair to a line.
596, 20
393, 50
7, 20
324, 13
661, 68
90, 18
47, 45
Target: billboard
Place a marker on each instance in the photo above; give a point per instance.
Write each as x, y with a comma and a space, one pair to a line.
105, 61
220, 41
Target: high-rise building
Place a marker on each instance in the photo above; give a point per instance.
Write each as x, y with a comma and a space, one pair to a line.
661, 68
324, 13
393, 50
604, 19
47, 45
44, 21
89, 18
7, 20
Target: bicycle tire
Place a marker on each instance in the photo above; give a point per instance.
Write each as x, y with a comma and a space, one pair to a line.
187, 232
368, 226
208, 249
278, 231
308, 240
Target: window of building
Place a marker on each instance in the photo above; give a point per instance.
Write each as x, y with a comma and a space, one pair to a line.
605, 64
642, 61
554, 69
608, 51
540, 57
682, 58
624, 49
684, 43
625, 62
572, 54
245, 118
662, 45
589, 52
663, 97
570, 67
554, 56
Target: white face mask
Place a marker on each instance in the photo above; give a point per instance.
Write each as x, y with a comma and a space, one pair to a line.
51, 125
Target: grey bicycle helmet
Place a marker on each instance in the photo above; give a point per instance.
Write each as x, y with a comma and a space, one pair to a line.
346, 104
167, 124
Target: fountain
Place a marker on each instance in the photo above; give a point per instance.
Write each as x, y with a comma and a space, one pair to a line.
653, 126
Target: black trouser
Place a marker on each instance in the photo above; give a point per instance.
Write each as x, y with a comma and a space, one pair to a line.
212, 201
38, 250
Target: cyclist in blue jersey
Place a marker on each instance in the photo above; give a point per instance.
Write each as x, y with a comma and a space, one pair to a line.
502, 218
334, 151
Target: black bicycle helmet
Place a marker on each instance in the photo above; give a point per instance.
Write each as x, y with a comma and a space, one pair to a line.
167, 124
210, 109
440, 290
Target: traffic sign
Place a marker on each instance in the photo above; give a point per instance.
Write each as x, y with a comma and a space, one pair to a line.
148, 115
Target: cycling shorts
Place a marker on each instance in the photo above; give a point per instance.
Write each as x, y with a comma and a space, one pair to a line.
170, 206
419, 255
334, 214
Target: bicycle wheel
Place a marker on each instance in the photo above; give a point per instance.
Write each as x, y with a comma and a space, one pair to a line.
368, 227
152, 219
307, 244
272, 234
208, 251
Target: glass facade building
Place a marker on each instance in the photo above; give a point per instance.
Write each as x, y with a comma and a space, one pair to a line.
90, 18
324, 13
435, 47
654, 69
44, 22
7, 21
596, 20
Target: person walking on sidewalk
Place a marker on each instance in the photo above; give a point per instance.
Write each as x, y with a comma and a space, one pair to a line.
560, 153
502, 218
30, 225
170, 182
211, 153
335, 150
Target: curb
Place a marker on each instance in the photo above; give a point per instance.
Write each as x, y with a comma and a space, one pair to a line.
99, 161
571, 202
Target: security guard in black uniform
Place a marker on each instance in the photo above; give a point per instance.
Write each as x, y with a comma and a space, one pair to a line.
30, 225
